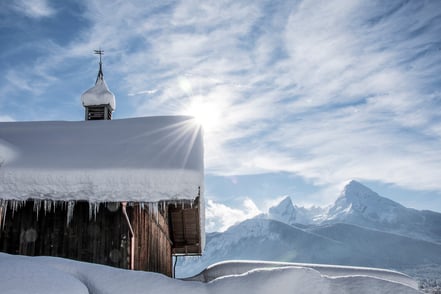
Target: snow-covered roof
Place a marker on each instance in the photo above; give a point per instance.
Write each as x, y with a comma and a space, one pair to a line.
99, 95
141, 159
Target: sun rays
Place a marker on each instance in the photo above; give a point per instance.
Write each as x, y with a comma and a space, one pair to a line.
206, 113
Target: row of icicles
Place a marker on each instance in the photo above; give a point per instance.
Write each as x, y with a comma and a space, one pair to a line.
12, 206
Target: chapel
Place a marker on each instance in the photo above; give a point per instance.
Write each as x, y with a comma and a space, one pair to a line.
127, 193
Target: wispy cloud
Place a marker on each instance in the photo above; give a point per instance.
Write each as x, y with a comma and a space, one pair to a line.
342, 90
33, 8
328, 90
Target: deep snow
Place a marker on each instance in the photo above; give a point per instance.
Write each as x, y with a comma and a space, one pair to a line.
22, 274
142, 159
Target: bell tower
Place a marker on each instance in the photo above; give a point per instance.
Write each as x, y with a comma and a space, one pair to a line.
98, 101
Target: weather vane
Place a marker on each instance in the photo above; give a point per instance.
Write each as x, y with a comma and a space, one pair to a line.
100, 72
99, 52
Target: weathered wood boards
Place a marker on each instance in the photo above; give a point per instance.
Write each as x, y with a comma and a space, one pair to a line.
102, 238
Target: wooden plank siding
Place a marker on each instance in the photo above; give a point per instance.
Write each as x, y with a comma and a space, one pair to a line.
153, 247
104, 239
185, 228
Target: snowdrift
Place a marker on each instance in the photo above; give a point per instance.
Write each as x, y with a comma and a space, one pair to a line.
22, 274
239, 267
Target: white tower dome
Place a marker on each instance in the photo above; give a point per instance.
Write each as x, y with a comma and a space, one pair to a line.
99, 95
99, 101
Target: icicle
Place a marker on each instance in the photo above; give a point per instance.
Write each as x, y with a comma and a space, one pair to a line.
91, 209
37, 207
3, 210
48, 204
153, 209
45, 206
15, 205
70, 210
94, 208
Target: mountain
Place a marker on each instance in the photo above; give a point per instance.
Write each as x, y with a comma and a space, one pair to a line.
260, 239
286, 212
361, 228
359, 205
264, 239
381, 249
342, 244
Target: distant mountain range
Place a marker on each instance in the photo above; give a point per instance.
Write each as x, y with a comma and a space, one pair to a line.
361, 228
360, 206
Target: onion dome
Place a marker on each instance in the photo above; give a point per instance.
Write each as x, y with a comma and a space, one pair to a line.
99, 94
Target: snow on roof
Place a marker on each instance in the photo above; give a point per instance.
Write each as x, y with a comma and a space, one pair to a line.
142, 159
99, 95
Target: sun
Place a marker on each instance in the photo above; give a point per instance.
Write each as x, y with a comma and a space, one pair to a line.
206, 109
206, 113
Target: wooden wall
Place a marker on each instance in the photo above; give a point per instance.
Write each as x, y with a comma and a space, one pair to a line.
103, 240
153, 248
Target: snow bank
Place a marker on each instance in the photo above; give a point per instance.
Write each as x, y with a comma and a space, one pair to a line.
21, 274
238, 267
302, 280
142, 159
25, 275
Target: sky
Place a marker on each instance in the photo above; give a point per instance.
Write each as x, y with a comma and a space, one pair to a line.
296, 97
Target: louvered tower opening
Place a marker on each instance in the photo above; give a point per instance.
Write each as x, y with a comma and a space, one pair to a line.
98, 112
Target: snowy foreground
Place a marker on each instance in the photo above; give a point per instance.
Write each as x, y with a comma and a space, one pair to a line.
22, 274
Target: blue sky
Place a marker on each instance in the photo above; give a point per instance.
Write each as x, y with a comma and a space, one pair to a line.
297, 97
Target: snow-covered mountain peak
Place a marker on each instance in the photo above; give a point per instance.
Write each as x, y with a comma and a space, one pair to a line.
355, 189
358, 200
358, 195
285, 202
284, 211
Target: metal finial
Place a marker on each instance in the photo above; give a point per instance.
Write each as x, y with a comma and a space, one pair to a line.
99, 52
100, 72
